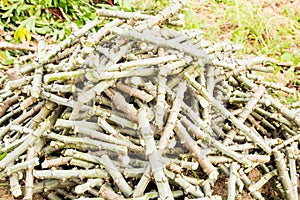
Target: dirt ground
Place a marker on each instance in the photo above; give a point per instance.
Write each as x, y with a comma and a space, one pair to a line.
254, 176
5, 193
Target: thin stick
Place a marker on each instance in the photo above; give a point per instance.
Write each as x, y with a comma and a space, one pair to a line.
284, 175
67, 174
168, 130
195, 150
6, 45
117, 176
232, 181
29, 176
154, 156
7, 103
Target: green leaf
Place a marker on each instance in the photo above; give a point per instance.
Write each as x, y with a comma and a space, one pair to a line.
61, 35
5, 58
296, 59
43, 30
29, 23
2, 56
195, 174
126, 5
26, 7
277, 69
290, 100
63, 4
79, 22
207, 140
8, 14
2, 155
9, 61
65, 15
285, 57
21, 34
48, 3
4, 3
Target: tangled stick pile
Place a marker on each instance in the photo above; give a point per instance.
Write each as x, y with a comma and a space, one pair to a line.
137, 111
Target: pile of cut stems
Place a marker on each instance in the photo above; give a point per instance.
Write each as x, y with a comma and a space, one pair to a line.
139, 111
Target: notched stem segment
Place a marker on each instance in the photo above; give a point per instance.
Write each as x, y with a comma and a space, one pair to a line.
154, 155
195, 150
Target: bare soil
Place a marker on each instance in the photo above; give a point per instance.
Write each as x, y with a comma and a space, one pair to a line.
5, 193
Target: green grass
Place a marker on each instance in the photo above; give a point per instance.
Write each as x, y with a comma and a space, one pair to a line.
271, 29
259, 30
